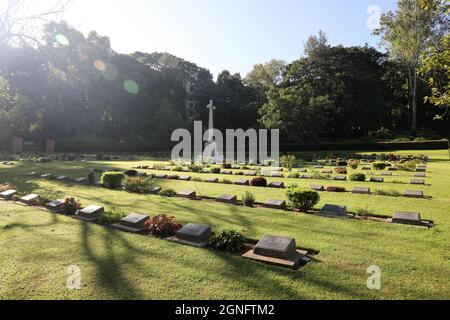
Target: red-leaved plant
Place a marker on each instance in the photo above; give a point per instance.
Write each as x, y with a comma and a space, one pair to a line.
70, 206
163, 226
341, 170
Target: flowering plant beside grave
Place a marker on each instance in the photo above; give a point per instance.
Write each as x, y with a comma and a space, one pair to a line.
6, 186
163, 226
70, 206
341, 170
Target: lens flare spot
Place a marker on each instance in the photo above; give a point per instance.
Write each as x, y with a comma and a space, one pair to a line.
110, 72
131, 86
62, 40
100, 65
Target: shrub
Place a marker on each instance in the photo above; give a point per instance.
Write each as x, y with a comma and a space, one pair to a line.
177, 169
319, 176
258, 182
228, 240
288, 161
197, 179
136, 184
341, 170
214, 170
342, 163
364, 212
239, 173
336, 189
407, 166
294, 175
226, 181
389, 193
163, 226
195, 168
70, 206
109, 218
112, 180
173, 177
248, 199
302, 199
358, 177
379, 165
6, 186
353, 164
169, 193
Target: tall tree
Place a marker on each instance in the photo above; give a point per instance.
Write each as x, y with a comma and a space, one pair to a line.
406, 33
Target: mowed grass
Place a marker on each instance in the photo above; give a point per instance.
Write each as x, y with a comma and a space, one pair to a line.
37, 247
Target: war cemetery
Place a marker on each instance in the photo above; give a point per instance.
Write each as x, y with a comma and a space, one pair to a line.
129, 177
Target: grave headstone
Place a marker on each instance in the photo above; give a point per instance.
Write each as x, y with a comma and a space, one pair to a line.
318, 167
32, 174
90, 214
420, 175
134, 222
302, 170
277, 169
275, 204
306, 176
386, 174
185, 178
327, 171
212, 180
194, 235
225, 198
361, 190
242, 182
62, 178
46, 176
30, 199
250, 173
55, 206
317, 188
392, 169
414, 194
408, 218
277, 175
332, 210
340, 178
228, 172
276, 184
8, 194
366, 168
161, 176
421, 169
376, 179
205, 170
187, 194
153, 190
418, 181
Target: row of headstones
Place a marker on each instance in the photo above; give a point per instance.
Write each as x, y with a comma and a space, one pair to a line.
372, 179
270, 249
59, 178
366, 190
7, 163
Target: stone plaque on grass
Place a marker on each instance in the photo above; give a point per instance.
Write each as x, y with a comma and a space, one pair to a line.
154, 190
32, 174
408, 218
226, 198
8, 194
376, 179
331, 210
90, 214
361, 190
366, 168
134, 222
250, 173
275, 204
277, 175
418, 181
420, 175
46, 176
161, 176
421, 169
187, 194
194, 235
242, 182
62, 178
340, 178
392, 169
80, 180
327, 171
276, 184
386, 174
55, 206
414, 194
185, 178
317, 187
306, 176
30, 199
212, 180
302, 170
228, 172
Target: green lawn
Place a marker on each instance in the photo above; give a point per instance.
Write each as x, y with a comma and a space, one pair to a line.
36, 247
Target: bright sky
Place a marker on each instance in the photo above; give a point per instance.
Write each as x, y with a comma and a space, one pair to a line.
227, 34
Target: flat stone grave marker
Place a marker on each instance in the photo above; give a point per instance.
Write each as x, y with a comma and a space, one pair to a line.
62, 178
227, 172
366, 168
185, 178
161, 176
420, 175
193, 235
205, 170
80, 180
317, 187
98, 184
306, 176
327, 171
212, 180
250, 173
46, 176
331, 210
421, 169
8, 194
376, 179
318, 167
30, 199
340, 178
361, 190
187, 194
408, 218
277, 169
386, 174
154, 190
55, 206
279, 251
242, 182
165, 168
32, 174
277, 175
141, 174
4, 162
302, 170
225, 198
414, 193
392, 169
276, 184
134, 222
90, 214
275, 204
418, 181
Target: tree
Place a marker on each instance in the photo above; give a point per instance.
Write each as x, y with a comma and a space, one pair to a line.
267, 74
407, 33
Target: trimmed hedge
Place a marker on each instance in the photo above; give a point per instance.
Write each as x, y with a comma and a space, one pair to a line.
372, 146
112, 179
